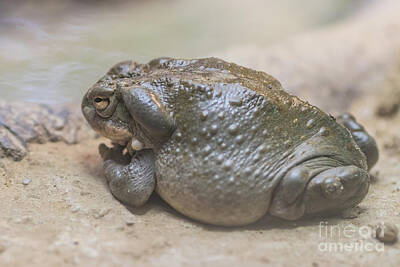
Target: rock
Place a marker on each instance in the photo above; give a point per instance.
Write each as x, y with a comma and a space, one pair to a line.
75, 208
97, 214
386, 232
24, 123
130, 220
11, 145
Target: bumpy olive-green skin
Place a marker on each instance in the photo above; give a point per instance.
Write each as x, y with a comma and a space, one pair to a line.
235, 135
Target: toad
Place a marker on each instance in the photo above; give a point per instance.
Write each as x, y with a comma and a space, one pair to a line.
224, 144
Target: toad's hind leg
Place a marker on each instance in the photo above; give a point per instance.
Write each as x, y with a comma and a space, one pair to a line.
306, 190
365, 141
133, 183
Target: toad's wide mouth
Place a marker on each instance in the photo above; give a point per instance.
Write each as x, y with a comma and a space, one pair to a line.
112, 128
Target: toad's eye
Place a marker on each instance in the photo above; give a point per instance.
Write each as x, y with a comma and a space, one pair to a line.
101, 103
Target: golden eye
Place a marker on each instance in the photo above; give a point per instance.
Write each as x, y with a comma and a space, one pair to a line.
101, 103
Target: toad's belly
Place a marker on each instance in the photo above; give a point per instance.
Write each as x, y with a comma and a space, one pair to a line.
207, 194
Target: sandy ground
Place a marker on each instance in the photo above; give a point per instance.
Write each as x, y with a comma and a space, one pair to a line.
56, 209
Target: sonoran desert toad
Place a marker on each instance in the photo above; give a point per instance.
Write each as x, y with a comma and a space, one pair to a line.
224, 144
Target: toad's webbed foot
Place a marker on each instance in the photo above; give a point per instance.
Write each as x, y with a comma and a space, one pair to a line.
336, 189
365, 141
132, 183
314, 188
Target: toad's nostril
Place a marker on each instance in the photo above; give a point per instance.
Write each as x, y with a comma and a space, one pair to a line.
332, 187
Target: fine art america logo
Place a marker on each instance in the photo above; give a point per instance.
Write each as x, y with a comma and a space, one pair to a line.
348, 238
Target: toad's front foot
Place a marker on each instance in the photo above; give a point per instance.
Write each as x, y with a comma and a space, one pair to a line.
132, 183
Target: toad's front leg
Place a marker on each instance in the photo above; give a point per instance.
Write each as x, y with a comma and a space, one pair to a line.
131, 183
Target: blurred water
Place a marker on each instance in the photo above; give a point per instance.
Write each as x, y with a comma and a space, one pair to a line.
52, 51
